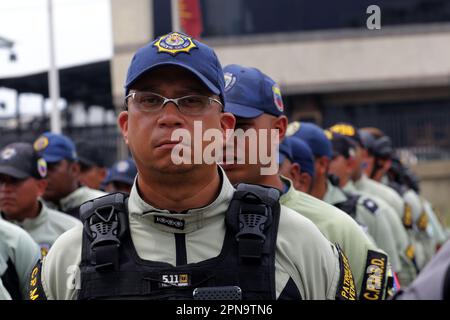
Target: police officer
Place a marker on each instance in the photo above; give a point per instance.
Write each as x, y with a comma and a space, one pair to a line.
408, 270
365, 209
121, 176
183, 216
18, 254
91, 158
19, 199
64, 191
255, 100
433, 282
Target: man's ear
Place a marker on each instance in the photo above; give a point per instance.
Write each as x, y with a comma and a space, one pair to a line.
294, 171
41, 185
323, 164
281, 124
227, 122
122, 121
306, 182
75, 169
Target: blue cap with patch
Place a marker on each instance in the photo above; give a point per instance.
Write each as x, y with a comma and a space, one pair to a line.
122, 171
314, 136
55, 147
300, 153
249, 93
180, 50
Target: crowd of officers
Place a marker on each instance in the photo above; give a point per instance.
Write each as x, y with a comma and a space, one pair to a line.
343, 218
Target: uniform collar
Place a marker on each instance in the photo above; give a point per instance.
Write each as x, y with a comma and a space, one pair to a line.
32, 223
72, 200
189, 221
290, 192
350, 187
333, 194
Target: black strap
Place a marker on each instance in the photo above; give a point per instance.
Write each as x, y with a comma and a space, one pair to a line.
105, 222
349, 205
10, 281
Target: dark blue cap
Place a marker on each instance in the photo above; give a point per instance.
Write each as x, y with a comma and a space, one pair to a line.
55, 147
343, 145
249, 93
179, 50
301, 154
284, 151
21, 161
314, 136
122, 171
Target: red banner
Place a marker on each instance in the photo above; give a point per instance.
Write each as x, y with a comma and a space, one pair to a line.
191, 17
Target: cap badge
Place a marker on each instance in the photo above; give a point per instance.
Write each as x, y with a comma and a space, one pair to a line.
230, 80
42, 167
328, 134
292, 128
277, 97
344, 129
122, 166
8, 153
174, 43
41, 143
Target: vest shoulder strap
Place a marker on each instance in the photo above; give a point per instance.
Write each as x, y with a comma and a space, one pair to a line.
105, 221
349, 205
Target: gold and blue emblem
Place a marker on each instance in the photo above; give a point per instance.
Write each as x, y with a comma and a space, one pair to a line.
292, 128
41, 143
174, 43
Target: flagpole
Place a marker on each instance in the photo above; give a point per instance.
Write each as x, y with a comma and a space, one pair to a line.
53, 77
175, 14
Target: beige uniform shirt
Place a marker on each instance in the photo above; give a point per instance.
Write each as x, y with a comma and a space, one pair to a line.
302, 253
47, 227
338, 227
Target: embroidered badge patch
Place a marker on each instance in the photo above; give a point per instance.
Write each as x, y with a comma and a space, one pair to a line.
292, 128
370, 205
277, 99
230, 80
174, 280
8, 153
170, 222
346, 288
174, 43
41, 143
373, 285
36, 291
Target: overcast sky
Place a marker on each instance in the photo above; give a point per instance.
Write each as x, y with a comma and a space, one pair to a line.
82, 34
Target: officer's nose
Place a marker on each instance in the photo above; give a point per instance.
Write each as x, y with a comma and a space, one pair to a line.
170, 116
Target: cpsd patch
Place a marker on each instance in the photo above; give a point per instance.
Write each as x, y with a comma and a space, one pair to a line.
230, 80
175, 43
41, 143
277, 99
374, 281
292, 128
8, 153
346, 289
42, 167
35, 289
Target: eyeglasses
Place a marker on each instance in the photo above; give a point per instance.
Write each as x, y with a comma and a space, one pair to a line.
192, 105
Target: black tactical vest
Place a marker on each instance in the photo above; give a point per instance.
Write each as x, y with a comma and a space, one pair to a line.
111, 268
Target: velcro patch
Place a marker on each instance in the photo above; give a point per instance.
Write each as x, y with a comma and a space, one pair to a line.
170, 222
370, 205
346, 289
374, 284
35, 290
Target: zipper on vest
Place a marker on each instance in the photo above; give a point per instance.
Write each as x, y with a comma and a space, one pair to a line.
180, 248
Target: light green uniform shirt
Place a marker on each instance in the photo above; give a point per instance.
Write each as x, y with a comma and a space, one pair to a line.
17, 246
302, 253
338, 227
76, 198
4, 294
47, 226
405, 246
369, 214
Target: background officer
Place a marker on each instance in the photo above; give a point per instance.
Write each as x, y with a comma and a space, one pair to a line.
256, 102
93, 169
184, 236
64, 191
121, 176
19, 201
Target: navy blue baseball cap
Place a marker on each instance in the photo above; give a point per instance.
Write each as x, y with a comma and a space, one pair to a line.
21, 161
180, 50
300, 153
55, 147
284, 151
122, 171
313, 135
343, 145
249, 93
